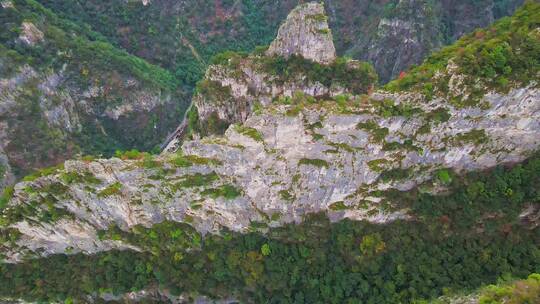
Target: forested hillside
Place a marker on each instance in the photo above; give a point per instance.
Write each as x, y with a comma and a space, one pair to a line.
183, 35
65, 90
459, 241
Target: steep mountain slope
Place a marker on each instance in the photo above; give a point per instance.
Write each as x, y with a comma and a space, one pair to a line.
301, 60
385, 197
183, 35
64, 90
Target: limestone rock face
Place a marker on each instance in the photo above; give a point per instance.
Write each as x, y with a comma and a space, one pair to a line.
409, 31
64, 109
281, 167
230, 91
305, 33
233, 92
70, 101
289, 157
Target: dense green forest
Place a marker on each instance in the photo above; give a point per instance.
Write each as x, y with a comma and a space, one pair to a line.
457, 241
68, 41
183, 36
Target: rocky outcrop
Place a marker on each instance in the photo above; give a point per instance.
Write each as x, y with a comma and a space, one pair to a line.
405, 32
277, 168
30, 34
294, 152
305, 33
6, 4
291, 157
229, 92
161, 296
301, 60
64, 110
361, 28
399, 43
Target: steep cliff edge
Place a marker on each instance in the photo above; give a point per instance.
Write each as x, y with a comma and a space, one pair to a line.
301, 60
410, 30
291, 157
65, 91
394, 170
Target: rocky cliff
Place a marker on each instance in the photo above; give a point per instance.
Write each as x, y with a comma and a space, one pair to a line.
301, 60
65, 91
315, 41
292, 156
383, 195
275, 169
182, 36
408, 31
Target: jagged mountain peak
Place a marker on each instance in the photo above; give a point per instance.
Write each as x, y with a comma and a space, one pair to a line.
301, 60
305, 32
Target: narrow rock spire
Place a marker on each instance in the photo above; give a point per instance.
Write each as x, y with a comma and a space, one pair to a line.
305, 33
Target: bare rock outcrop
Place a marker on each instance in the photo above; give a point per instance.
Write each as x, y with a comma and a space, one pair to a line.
30, 34
305, 33
81, 96
277, 168
288, 158
234, 85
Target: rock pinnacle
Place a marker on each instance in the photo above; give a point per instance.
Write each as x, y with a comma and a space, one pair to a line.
305, 33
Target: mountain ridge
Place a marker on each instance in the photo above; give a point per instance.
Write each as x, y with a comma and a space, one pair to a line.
295, 138
363, 28
327, 187
177, 42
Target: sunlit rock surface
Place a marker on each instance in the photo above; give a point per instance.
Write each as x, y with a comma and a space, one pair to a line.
305, 33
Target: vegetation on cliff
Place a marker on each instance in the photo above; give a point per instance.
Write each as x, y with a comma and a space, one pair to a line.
461, 230
503, 56
182, 37
459, 241
67, 42
351, 76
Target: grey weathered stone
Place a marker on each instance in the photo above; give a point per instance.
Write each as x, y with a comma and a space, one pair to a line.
305, 33
67, 108
245, 85
30, 34
273, 179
